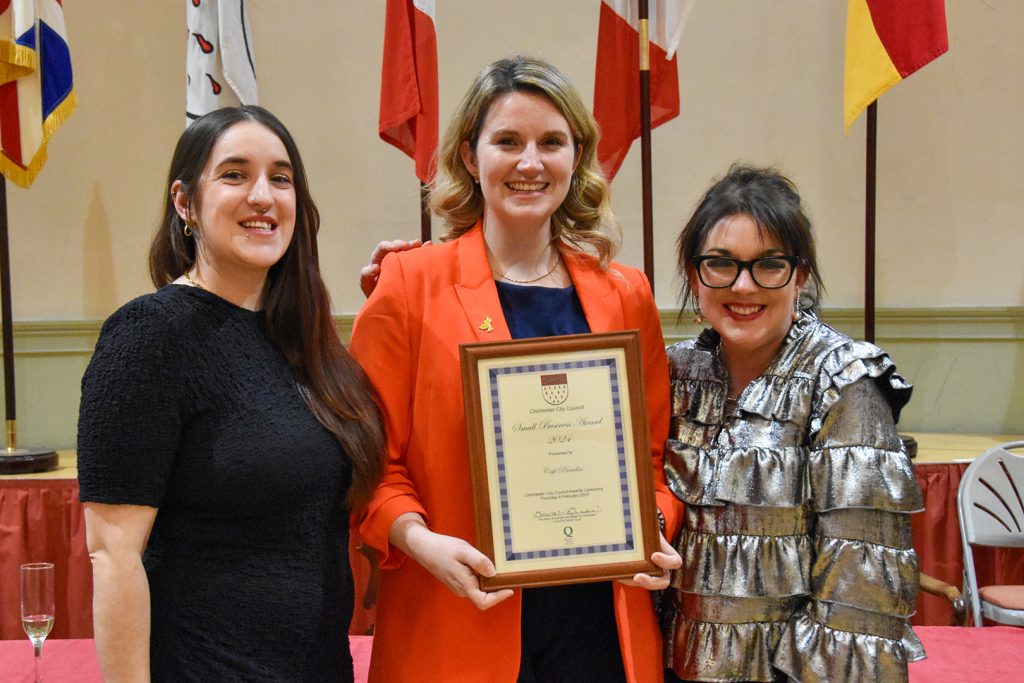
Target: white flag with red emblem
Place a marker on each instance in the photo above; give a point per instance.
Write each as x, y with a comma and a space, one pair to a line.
220, 70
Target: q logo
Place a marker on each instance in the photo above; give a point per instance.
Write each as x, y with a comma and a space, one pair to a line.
567, 531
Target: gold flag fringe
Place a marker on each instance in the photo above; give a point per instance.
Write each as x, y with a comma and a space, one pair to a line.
16, 61
24, 176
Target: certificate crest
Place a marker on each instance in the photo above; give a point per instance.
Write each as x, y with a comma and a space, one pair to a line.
554, 388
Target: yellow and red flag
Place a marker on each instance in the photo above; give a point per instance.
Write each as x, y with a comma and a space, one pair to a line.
37, 90
408, 84
886, 41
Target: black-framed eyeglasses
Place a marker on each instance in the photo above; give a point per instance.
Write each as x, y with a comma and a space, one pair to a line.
768, 272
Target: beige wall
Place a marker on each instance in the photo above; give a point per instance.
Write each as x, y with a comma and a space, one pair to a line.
760, 81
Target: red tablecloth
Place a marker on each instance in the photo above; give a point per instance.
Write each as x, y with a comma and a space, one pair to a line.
70, 661
74, 661
937, 540
970, 655
966, 655
41, 520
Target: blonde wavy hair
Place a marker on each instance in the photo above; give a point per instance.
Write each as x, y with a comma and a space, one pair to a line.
585, 219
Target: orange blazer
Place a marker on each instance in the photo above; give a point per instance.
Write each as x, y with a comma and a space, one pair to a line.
429, 301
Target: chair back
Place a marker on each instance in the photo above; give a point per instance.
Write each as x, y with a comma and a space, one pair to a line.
990, 501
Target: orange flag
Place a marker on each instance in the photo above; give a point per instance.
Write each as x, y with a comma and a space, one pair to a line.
886, 41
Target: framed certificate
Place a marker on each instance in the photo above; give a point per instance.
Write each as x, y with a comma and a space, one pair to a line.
560, 458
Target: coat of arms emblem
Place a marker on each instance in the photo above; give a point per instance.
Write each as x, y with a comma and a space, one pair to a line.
554, 388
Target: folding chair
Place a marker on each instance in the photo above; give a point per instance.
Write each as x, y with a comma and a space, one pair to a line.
990, 504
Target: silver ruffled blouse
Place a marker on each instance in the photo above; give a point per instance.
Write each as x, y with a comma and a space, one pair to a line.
796, 546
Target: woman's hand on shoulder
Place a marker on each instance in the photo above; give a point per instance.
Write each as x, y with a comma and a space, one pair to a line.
451, 560
668, 559
370, 273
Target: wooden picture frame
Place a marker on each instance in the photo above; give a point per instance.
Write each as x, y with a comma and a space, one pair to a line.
560, 458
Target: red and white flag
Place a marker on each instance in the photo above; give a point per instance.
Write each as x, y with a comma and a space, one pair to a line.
219, 67
36, 86
408, 84
617, 80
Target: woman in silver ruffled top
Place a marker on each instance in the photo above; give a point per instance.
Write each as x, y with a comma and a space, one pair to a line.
797, 555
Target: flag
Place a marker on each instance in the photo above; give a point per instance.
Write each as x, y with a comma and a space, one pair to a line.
408, 83
219, 66
617, 80
886, 41
36, 87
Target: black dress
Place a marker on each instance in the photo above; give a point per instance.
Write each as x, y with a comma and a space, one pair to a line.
187, 407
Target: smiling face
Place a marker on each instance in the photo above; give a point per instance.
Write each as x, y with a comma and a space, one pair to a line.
751, 320
524, 158
244, 206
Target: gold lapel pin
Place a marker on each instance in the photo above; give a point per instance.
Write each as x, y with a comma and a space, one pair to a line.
486, 325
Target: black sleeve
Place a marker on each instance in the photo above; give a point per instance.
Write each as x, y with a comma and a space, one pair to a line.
129, 420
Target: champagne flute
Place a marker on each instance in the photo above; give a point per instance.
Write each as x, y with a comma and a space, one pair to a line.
37, 605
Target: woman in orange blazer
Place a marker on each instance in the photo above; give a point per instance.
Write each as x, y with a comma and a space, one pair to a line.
522, 194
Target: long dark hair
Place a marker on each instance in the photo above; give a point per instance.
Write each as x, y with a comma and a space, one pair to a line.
297, 307
773, 203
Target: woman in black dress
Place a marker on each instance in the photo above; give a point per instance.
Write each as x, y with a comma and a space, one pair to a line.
225, 434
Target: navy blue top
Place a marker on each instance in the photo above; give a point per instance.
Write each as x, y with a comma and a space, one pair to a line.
532, 311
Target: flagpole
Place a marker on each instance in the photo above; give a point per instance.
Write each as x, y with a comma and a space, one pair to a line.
13, 460
5, 306
424, 212
645, 142
870, 183
869, 221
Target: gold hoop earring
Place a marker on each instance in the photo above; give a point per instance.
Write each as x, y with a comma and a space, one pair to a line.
187, 230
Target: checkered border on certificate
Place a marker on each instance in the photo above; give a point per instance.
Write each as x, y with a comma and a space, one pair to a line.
620, 447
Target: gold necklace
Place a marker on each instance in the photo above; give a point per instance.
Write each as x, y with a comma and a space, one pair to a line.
192, 282
529, 282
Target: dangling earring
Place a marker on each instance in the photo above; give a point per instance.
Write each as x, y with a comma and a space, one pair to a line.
796, 308
187, 230
698, 319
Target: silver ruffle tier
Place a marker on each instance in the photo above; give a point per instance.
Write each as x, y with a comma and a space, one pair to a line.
796, 546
